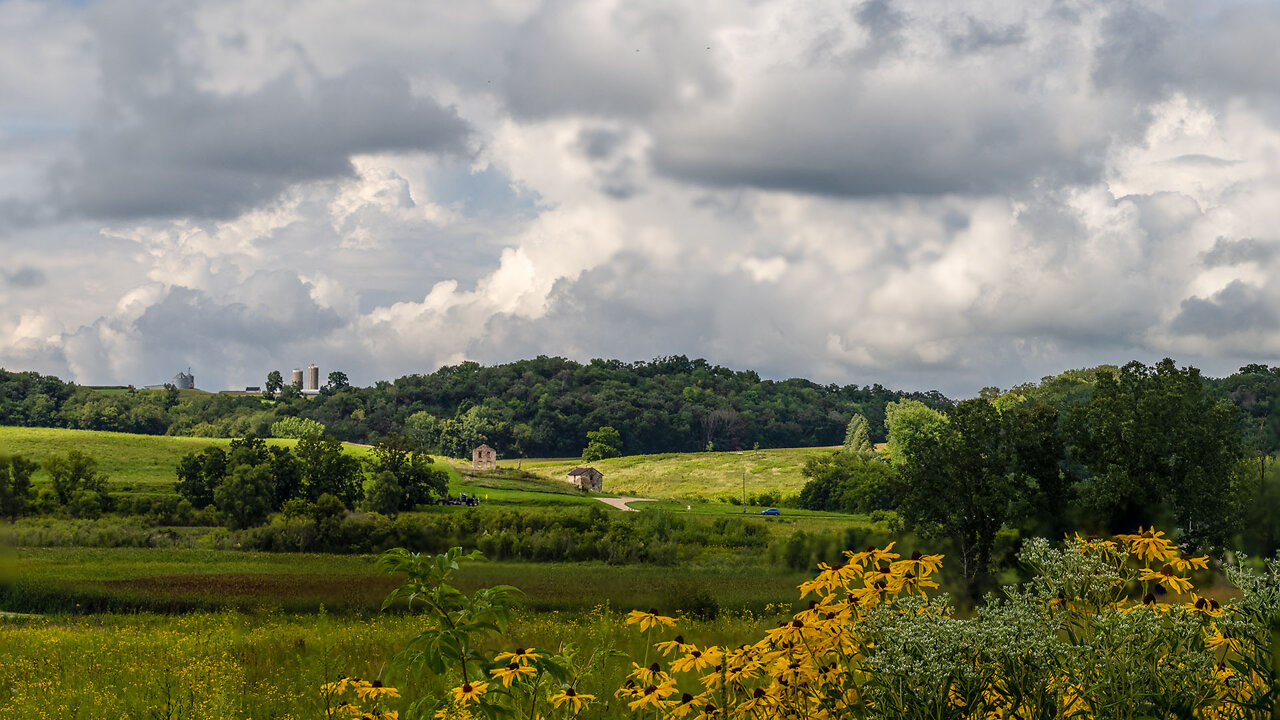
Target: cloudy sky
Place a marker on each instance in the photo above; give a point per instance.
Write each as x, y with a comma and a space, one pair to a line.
921, 194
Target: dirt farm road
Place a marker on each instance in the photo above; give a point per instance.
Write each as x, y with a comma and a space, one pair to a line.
621, 503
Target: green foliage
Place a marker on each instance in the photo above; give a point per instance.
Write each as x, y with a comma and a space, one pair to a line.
275, 382
326, 469
244, 496
414, 471
965, 478
454, 621
601, 444
337, 381
75, 476
1153, 443
385, 494
908, 423
857, 439
851, 483
16, 492
296, 428
199, 472
539, 407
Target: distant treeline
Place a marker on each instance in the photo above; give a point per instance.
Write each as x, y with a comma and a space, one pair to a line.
541, 407
545, 406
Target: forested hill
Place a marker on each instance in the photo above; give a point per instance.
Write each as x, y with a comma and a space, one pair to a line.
539, 407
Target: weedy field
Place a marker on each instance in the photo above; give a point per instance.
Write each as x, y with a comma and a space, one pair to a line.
225, 665
81, 580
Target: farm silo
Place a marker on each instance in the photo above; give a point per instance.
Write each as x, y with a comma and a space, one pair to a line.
313, 377
297, 378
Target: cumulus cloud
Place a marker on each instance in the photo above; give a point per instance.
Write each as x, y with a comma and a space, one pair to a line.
869, 191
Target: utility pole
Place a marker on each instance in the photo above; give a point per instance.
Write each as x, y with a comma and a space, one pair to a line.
744, 492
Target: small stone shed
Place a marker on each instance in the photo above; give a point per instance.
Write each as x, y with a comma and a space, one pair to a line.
587, 478
484, 458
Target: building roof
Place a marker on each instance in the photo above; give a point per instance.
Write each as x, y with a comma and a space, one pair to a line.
484, 446
584, 470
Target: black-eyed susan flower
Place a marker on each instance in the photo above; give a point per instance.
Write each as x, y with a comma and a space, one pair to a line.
760, 701
1217, 639
469, 692
1185, 562
1150, 544
1204, 606
512, 671
649, 619
374, 690
651, 675
573, 698
685, 706
667, 646
1168, 578
523, 656
919, 563
653, 696
697, 660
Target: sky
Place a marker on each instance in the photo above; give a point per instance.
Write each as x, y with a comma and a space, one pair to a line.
925, 195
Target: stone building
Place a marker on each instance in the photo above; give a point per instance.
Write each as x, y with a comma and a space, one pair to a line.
484, 458
586, 478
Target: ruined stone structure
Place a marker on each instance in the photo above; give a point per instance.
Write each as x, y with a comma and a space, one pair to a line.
484, 458
587, 478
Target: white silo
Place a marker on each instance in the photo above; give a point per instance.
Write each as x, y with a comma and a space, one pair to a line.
313, 377
297, 378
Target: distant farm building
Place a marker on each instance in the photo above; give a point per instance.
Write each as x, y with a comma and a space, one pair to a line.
182, 381
587, 478
484, 458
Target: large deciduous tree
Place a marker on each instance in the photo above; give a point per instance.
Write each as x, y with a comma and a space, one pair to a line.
199, 472
603, 443
415, 472
73, 474
326, 469
1157, 447
966, 477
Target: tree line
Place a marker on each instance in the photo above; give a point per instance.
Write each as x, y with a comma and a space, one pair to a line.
540, 407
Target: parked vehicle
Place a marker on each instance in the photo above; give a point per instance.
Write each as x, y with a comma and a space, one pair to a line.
771, 511
462, 499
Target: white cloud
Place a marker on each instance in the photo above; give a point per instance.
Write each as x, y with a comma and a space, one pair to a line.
894, 192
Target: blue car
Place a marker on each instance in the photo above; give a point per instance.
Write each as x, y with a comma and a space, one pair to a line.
771, 511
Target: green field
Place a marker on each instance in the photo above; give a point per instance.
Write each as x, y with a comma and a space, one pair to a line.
133, 463
145, 464
231, 666
77, 580
705, 475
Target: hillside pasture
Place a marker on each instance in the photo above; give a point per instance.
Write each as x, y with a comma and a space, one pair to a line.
142, 464
705, 475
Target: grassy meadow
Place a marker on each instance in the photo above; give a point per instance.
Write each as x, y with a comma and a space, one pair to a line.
706, 475
79, 580
265, 666
133, 463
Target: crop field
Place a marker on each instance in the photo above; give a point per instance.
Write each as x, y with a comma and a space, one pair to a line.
709, 476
